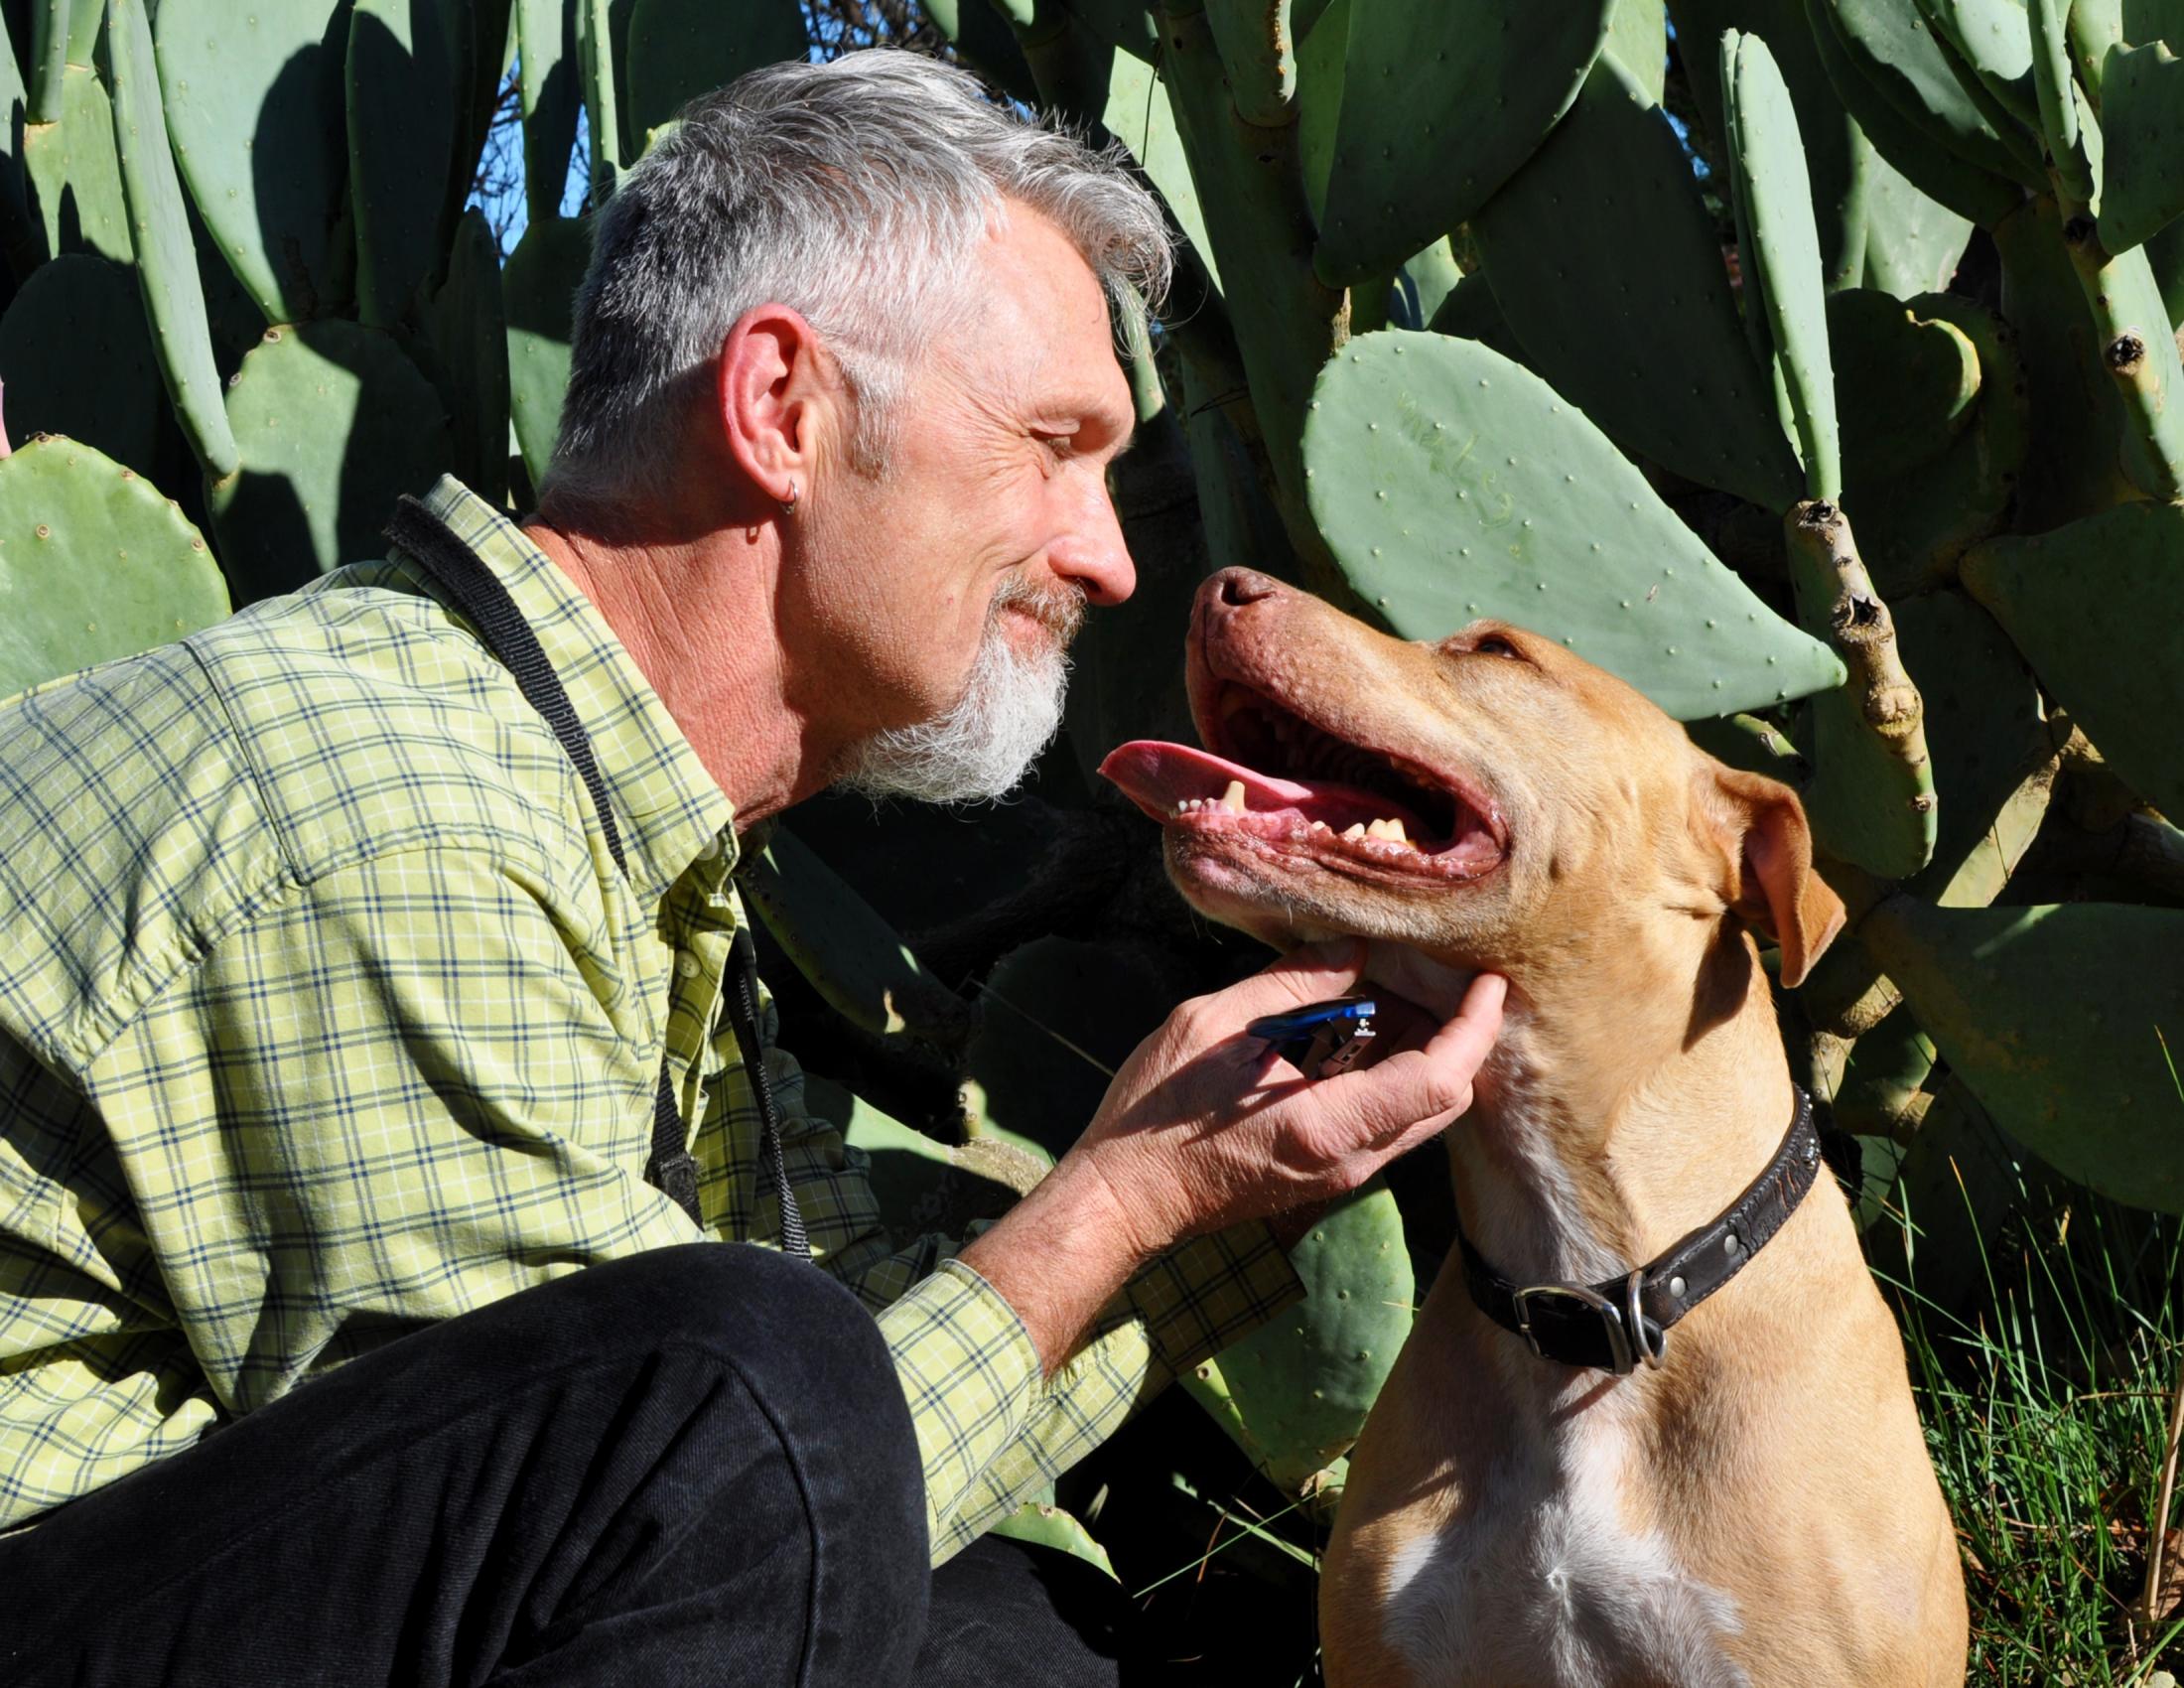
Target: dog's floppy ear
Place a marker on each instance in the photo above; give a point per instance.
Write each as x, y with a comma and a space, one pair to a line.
1773, 889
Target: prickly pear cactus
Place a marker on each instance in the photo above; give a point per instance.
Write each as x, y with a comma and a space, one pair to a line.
93, 564
1294, 1394
1454, 485
333, 424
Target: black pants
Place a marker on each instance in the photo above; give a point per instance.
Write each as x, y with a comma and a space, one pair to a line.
694, 1466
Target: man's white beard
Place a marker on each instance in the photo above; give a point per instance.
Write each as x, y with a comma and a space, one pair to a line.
1010, 711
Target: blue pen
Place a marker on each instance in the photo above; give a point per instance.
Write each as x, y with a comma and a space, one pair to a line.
1320, 1039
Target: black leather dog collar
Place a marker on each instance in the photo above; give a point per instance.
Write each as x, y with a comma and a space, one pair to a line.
1612, 1325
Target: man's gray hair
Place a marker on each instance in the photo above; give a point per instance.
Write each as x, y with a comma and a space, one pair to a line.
852, 192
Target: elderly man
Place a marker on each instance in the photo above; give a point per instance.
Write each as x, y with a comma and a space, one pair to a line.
370, 963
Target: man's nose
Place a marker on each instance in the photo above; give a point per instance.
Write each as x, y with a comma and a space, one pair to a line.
1091, 553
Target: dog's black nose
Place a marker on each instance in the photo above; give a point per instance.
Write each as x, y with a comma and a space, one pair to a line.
1244, 586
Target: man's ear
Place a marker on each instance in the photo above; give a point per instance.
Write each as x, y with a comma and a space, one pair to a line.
767, 378
1773, 887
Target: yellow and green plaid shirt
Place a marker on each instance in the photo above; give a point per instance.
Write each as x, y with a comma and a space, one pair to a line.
325, 1014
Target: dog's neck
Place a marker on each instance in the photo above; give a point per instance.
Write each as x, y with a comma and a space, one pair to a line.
1601, 1133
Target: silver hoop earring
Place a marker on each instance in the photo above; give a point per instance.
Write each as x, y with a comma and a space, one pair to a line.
788, 504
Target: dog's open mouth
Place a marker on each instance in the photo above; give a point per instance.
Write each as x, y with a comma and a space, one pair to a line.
1271, 778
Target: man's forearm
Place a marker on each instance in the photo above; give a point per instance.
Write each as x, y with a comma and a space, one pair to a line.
1057, 1258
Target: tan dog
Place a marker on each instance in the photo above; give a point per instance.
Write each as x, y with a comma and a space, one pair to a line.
1758, 1509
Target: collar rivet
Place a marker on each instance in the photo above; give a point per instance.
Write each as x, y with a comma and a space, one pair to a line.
1676, 1288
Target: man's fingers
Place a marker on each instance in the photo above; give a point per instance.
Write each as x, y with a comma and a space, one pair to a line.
1312, 973
1464, 1042
1414, 1085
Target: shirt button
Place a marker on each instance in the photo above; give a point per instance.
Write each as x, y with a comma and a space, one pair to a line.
685, 964
710, 850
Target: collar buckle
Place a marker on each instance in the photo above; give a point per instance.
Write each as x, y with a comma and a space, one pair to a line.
1622, 1359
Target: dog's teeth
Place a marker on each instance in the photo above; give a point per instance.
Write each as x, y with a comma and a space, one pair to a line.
1395, 831
1321, 827
1356, 831
1233, 798
1378, 829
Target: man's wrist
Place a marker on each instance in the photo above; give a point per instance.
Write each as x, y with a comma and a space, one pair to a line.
1059, 1256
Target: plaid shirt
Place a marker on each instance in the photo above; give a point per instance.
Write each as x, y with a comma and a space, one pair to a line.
325, 1014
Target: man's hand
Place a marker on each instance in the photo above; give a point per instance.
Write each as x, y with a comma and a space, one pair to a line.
1204, 1127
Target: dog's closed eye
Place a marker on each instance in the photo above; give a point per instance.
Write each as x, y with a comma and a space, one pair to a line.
1484, 639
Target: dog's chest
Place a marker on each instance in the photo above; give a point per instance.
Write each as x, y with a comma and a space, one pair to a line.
1537, 1583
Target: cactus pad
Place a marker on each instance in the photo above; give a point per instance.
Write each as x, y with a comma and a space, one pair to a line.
1320, 56
1913, 242
1839, 165
1992, 753
1972, 191
1295, 1393
546, 61
1057, 1017
539, 284
2075, 414
923, 1186
1906, 385
166, 257
334, 423
2054, 1018
2078, 603
680, 49
850, 954
73, 179
1050, 1526
1893, 48
94, 564
469, 337
76, 360
403, 73
1138, 114
1885, 1076
1782, 254
1419, 146
2142, 132
254, 99
1637, 35
1452, 483
1656, 360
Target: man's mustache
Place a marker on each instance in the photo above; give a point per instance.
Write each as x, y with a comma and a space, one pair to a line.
1058, 608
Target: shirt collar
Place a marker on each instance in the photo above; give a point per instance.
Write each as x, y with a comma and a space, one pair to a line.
670, 810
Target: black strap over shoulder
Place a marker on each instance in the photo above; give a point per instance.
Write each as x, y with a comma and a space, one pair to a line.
505, 632
1612, 1325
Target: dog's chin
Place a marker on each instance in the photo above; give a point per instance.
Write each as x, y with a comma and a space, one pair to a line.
1284, 902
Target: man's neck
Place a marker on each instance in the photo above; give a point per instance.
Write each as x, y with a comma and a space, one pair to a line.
697, 617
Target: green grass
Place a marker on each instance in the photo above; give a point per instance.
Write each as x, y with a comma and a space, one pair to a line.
2047, 1412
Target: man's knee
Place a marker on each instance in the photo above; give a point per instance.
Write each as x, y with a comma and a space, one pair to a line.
806, 1351
786, 1327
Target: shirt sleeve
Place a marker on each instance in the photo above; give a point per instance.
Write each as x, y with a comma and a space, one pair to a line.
990, 1429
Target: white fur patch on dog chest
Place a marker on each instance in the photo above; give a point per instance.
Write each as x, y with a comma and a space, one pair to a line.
1538, 1584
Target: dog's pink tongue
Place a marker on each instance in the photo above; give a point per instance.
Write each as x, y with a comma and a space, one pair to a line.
1158, 777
